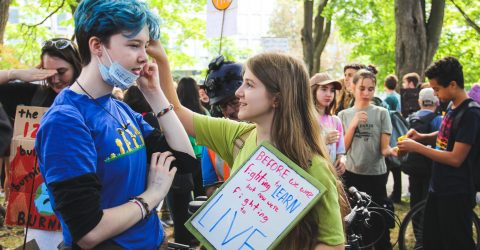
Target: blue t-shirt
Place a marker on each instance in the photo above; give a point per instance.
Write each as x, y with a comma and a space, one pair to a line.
77, 137
393, 101
448, 180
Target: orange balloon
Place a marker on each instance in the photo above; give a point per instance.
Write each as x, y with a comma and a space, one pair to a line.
222, 4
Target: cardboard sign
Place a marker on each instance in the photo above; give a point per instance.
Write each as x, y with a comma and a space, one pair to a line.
258, 205
409, 101
221, 18
28, 201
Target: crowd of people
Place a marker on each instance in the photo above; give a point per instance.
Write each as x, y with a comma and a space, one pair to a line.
136, 138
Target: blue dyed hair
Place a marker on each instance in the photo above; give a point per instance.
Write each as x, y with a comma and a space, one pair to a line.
104, 18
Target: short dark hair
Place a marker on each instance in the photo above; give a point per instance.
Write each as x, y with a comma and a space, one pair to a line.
355, 66
391, 82
412, 77
446, 70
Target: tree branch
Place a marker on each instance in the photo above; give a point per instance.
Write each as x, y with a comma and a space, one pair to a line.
434, 29
469, 21
46, 18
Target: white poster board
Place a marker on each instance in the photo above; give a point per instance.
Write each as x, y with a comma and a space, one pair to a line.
258, 205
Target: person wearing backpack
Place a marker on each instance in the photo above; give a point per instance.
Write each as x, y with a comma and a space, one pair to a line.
415, 165
451, 195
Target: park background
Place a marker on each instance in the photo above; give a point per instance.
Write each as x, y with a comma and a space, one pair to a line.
398, 36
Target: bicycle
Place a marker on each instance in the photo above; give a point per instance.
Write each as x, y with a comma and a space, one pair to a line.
410, 233
357, 221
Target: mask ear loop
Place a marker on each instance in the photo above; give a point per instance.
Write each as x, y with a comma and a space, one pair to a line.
108, 56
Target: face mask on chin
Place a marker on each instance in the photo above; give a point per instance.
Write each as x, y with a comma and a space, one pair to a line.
116, 75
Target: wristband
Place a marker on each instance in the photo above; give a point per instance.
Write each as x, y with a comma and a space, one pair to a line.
164, 111
140, 206
144, 205
8, 74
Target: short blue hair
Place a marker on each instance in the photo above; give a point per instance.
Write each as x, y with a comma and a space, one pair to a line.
104, 18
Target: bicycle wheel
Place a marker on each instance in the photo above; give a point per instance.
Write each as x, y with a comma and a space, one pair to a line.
411, 229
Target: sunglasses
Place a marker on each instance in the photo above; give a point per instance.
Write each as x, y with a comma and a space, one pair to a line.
59, 44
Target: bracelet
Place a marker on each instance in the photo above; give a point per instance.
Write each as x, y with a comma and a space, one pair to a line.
165, 110
144, 205
140, 206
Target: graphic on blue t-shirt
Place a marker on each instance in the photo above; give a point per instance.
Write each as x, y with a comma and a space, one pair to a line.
124, 142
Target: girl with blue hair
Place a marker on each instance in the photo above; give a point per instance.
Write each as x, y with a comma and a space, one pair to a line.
92, 149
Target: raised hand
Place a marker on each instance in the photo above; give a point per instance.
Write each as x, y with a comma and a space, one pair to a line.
360, 117
149, 81
156, 51
332, 136
30, 75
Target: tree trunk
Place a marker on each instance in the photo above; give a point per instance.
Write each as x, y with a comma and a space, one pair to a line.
416, 39
4, 7
307, 38
314, 38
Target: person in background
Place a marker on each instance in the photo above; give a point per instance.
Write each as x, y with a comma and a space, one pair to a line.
367, 142
187, 91
451, 195
59, 66
223, 79
392, 99
5, 130
204, 99
346, 97
416, 166
323, 90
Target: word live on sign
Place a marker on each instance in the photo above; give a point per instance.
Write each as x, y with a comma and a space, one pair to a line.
258, 205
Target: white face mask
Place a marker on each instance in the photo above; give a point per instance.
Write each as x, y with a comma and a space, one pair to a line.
116, 75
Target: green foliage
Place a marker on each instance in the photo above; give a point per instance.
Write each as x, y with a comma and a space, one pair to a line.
460, 40
370, 26
25, 38
182, 22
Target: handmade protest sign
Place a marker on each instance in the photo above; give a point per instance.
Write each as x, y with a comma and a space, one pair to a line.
28, 201
258, 205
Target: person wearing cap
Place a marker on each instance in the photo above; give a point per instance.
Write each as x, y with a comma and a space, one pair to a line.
223, 79
416, 166
324, 89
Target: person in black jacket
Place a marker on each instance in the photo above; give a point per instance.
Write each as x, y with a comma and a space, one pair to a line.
5, 130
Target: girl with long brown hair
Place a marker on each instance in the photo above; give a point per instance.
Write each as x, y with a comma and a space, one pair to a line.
276, 98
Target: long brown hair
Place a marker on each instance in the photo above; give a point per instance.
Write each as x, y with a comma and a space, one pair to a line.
295, 131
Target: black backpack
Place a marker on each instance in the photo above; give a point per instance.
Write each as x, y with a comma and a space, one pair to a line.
399, 128
475, 169
414, 163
